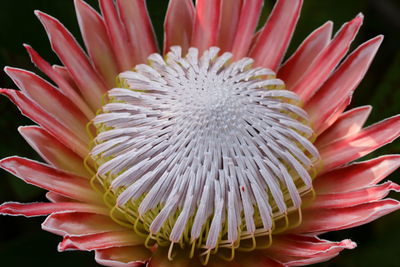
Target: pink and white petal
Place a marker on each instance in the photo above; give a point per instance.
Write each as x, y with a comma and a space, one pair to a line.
52, 151
101, 241
72, 56
249, 15
51, 179
349, 123
356, 175
273, 41
38, 115
357, 197
132, 256
178, 24
292, 70
117, 34
136, 21
230, 15
360, 144
42, 209
325, 220
62, 83
206, 24
327, 60
51, 100
80, 223
97, 43
298, 250
341, 84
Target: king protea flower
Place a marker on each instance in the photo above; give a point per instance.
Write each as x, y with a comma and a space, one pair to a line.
211, 151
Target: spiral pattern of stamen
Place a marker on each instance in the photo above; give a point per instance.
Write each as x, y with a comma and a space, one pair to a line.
203, 151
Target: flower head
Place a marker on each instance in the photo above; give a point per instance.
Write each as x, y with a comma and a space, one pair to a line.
211, 152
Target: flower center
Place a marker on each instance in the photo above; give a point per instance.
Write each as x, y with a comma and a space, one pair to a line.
204, 152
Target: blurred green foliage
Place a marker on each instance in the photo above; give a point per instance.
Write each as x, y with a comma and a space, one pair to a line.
22, 243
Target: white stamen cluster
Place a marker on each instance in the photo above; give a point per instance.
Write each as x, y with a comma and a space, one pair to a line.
217, 149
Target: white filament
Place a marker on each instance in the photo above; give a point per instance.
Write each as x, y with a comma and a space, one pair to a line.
208, 138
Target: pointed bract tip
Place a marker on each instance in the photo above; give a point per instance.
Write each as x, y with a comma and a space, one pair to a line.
4, 163
38, 13
327, 26
367, 107
349, 244
329, 23
31, 52
23, 129
27, 47
380, 37
60, 247
376, 41
359, 19
6, 69
44, 17
41, 16
66, 245
12, 71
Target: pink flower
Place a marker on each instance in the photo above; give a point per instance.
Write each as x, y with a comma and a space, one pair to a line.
216, 150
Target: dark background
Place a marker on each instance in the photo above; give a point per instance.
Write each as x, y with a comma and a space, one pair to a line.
23, 243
